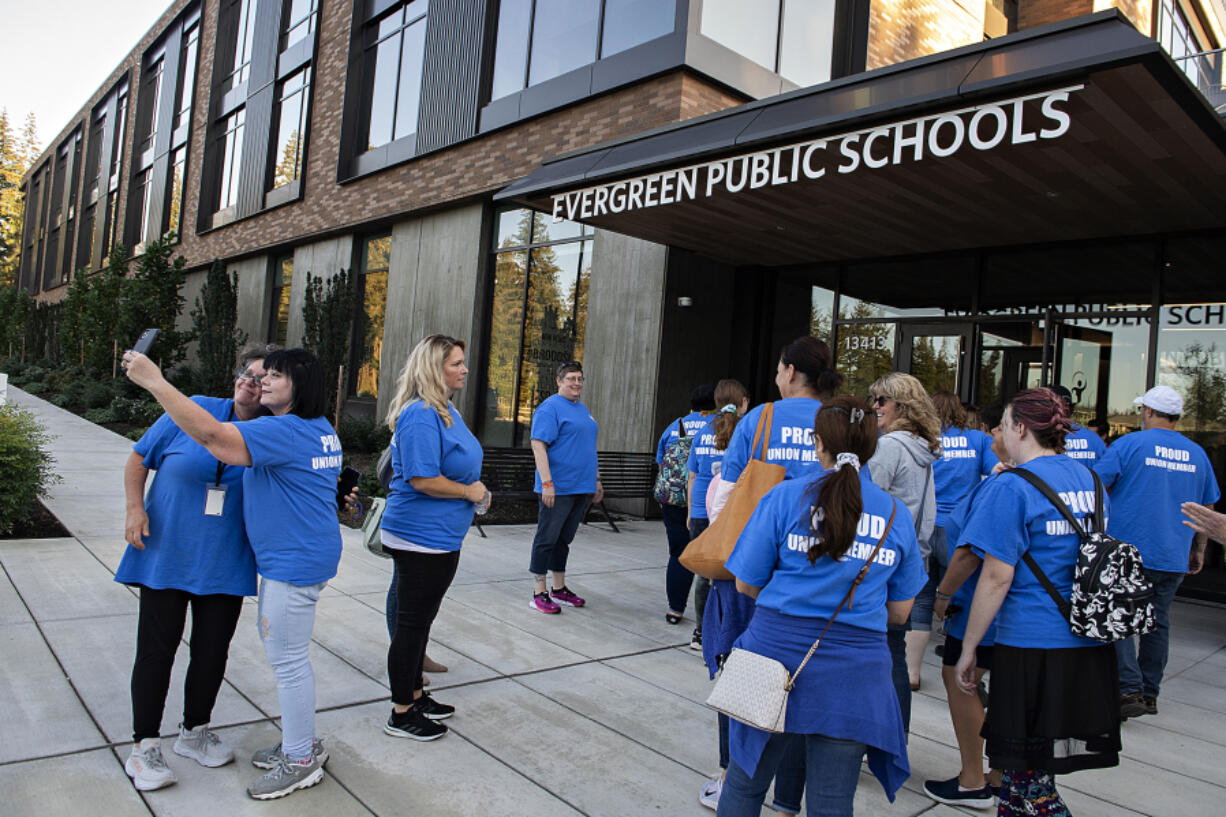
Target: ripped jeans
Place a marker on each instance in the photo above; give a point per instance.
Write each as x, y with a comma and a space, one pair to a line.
286, 619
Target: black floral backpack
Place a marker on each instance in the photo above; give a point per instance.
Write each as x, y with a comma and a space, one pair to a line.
672, 482
1111, 599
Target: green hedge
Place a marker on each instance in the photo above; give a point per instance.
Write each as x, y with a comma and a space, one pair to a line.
25, 465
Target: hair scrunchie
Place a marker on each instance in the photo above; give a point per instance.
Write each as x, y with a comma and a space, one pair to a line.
847, 458
728, 409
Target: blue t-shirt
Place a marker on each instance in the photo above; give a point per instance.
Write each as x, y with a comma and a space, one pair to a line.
965, 595
693, 422
423, 447
791, 442
703, 458
772, 553
1150, 474
966, 458
1084, 445
1009, 516
289, 497
186, 550
569, 432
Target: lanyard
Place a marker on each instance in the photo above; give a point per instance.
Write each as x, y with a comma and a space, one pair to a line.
221, 466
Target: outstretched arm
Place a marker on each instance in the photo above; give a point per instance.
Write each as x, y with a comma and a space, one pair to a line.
222, 440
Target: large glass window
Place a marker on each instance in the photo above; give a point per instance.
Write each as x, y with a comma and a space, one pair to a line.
1192, 360
282, 287
187, 75
150, 97
376, 260
297, 21
291, 128
538, 317
174, 209
1176, 36
541, 39
394, 64
231, 158
793, 38
243, 18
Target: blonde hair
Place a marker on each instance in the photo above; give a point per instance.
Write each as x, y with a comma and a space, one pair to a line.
422, 379
917, 413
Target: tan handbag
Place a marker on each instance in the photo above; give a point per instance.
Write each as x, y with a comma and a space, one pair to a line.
706, 554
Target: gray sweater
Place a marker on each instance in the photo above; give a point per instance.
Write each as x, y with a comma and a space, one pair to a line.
902, 467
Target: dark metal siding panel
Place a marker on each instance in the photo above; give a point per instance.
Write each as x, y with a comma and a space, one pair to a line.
451, 75
255, 151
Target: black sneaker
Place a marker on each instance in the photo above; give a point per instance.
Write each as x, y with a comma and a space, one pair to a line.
696, 640
432, 709
950, 793
413, 724
1131, 706
1150, 703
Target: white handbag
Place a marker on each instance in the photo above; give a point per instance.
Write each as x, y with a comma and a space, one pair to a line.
753, 688
370, 528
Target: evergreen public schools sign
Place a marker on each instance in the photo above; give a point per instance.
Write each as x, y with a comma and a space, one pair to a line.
982, 127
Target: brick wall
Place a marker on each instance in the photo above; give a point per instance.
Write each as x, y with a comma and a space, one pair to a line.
901, 30
1031, 13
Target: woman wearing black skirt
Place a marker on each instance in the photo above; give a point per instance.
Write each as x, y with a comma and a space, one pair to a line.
1053, 706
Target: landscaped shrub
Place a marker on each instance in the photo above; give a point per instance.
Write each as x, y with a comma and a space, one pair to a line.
61, 378
360, 435
31, 374
25, 465
134, 410
136, 433
101, 416
37, 387
97, 395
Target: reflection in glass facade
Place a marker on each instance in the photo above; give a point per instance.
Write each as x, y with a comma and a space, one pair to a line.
297, 21
232, 158
376, 257
394, 61
538, 318
282, 287
542, 39
287, 151
793, 38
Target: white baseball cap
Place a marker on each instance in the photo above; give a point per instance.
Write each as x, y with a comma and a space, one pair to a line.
1163, 399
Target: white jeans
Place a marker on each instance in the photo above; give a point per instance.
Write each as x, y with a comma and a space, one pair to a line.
287, 617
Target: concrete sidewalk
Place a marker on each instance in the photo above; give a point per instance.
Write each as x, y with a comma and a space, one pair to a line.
596, 711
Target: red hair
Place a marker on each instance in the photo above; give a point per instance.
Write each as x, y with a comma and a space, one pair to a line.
1044, 414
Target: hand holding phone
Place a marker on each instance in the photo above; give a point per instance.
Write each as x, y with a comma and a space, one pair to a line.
146, 340
347, 482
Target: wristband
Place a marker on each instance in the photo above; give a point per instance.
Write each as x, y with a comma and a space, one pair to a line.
547, 484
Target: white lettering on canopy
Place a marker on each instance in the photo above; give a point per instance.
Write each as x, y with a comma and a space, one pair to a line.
982, 128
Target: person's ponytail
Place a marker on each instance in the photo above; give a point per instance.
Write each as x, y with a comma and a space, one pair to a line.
848, 433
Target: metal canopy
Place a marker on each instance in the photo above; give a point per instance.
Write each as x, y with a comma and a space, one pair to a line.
1141, 152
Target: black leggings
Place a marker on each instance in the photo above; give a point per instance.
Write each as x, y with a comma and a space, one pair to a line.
158, 633
422, 581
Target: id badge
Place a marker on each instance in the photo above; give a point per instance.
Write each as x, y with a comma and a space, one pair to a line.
215, 500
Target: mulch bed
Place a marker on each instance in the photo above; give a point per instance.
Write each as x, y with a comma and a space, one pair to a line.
42, 524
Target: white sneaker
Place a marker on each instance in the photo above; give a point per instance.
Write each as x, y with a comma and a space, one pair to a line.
203, 746
147, 767
709, 796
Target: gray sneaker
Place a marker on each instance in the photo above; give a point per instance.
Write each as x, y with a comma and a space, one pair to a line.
286, 778
267, 758
147, 767
203, 746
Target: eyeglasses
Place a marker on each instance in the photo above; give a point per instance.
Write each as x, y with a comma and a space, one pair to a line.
248, 377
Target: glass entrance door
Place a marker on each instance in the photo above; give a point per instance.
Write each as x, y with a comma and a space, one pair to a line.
936, 355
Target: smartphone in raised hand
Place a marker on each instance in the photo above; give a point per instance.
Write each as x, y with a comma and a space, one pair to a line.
146, 340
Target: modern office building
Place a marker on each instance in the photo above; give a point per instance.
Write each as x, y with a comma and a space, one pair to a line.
990, 195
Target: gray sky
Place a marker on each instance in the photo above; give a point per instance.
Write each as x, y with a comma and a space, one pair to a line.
58, 52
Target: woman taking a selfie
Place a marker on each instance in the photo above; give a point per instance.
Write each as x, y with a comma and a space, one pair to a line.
179, 557
808, 545
293, 458
436, 484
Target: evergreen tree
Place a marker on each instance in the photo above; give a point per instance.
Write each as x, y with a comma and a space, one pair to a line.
328, 315
100, 321
152, 297
215, 319
15, 310
73, 318
16, 155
